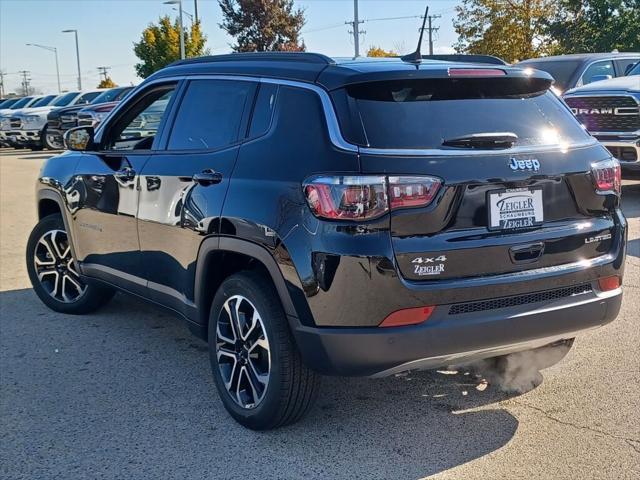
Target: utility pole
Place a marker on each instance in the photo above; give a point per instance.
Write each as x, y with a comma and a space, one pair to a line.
25, 81
103, 72
431, 30
195, 9
1, 84
355, 25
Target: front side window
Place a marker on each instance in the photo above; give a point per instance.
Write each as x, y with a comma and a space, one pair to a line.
598, 69
137, 127
210, 114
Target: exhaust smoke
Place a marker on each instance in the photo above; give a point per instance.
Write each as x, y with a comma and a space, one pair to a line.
520, 372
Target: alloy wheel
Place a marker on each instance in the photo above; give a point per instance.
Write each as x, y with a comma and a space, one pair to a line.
242, 351
56, 268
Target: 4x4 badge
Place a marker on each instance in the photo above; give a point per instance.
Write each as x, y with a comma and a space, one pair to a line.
525, 164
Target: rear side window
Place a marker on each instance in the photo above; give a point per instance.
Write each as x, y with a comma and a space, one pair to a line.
210, 114
263, 111
422, 114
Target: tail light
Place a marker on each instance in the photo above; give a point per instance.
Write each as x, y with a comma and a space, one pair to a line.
607, 176
606, 284
407, 316
367, 197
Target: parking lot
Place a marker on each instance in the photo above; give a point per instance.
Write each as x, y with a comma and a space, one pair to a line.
127, 393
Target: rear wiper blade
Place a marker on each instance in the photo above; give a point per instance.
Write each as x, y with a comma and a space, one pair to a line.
487, 140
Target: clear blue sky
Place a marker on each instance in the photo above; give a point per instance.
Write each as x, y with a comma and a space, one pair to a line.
108, 28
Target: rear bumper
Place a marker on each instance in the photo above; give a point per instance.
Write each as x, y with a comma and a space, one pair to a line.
447, 339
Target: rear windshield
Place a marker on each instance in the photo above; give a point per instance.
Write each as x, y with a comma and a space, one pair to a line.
422, 114
561, 71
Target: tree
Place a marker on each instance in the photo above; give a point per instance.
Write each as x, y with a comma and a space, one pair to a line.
107, 83
160, 45
511, 29
596, 26
263, 25
379, 52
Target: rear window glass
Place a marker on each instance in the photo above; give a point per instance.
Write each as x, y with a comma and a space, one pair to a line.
422, 114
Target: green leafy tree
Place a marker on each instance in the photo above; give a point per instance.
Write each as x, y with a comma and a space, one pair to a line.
511, 29
380, 52
595, 26
160, 45
263, 25
107, 83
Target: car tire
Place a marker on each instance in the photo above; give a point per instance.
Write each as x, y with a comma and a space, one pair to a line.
53, 272
259, 372
48, 142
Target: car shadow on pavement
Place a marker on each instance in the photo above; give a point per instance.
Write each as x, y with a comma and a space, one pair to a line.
127, 391
633, 248
631, 200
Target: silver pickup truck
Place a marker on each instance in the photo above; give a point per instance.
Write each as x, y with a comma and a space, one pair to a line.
610, 111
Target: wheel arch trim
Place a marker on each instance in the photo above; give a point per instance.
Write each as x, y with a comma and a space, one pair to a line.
53, 195
244, 247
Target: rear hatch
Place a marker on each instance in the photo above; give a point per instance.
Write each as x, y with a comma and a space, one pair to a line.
516, 189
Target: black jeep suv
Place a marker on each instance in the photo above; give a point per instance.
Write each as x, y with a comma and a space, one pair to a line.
312, 216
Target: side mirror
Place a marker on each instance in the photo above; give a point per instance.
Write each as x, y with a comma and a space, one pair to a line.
599, 78
79, 138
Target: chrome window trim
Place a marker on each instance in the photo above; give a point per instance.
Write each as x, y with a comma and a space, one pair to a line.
333, 126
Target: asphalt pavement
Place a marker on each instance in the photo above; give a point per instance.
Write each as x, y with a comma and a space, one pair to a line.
126, 393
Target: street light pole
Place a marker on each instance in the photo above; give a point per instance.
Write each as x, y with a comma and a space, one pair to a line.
55, 52
77, 56
179, 3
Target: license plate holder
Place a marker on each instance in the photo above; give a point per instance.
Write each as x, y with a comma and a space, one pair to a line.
515, 208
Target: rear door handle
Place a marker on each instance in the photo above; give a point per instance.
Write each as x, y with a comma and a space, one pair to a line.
207, 177
125, 174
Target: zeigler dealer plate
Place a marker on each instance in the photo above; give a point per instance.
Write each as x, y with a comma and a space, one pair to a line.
513, 209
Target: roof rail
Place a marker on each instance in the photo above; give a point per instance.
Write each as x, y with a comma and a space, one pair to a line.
260, 56
470, 58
